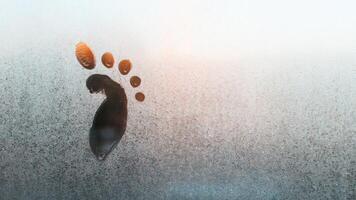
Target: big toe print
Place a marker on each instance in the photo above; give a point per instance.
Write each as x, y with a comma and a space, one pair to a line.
109, 123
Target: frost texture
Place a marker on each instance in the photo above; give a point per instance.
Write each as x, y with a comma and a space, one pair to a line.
252, 130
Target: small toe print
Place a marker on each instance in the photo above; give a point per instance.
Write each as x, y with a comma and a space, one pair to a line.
140, 96
108, 60
135, 81
125, 67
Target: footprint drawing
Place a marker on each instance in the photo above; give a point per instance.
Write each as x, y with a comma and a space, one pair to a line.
109, 123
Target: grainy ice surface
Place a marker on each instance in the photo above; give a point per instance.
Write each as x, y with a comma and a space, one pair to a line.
244, 132
266, 126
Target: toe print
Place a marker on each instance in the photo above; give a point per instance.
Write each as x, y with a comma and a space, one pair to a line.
85, 56
135, 81
140, 96
109, 123
108, 60
125, 67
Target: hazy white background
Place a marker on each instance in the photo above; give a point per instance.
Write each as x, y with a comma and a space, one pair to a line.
244, 99
203, 29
